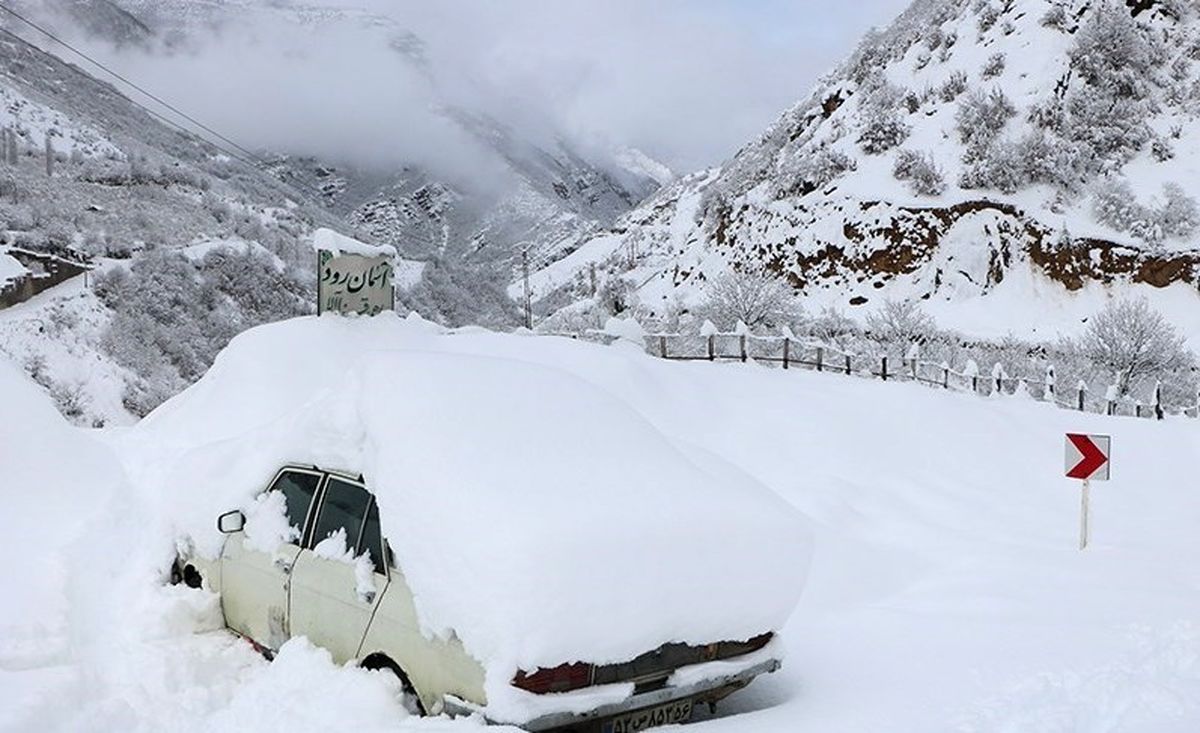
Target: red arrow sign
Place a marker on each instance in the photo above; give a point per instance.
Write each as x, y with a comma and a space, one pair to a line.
1093, 456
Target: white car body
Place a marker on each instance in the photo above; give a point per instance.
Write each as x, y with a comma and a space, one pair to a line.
269, 597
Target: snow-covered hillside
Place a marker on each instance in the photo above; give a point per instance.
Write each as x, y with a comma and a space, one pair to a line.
534, 191
1019, 150
947, 592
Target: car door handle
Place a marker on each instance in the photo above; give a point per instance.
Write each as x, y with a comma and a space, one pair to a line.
282, 565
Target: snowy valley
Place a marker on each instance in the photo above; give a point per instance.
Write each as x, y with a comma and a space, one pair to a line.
775, 445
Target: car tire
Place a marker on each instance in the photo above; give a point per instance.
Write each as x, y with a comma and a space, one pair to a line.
409, 699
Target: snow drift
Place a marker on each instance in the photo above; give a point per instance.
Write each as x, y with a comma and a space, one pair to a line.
534, 514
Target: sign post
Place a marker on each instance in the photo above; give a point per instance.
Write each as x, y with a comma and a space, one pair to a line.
352, 276
1087, 458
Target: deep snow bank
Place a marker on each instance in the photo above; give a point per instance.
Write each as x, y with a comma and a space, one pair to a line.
54, 477
533, 513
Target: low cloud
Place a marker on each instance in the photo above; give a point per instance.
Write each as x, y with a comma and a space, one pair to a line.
687, 81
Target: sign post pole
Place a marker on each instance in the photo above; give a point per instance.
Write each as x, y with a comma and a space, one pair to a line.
1083, 517
1087, 458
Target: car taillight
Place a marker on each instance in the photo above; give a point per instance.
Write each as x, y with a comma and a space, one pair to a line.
727, 649
562, 678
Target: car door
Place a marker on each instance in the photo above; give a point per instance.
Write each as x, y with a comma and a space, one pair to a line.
255, 584
330, 603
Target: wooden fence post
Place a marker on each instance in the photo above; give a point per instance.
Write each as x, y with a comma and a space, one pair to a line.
945, 377
742, 345
1112, 407
847, 365
662, 346
1082, 392
820, 358
975, 383
1137, 409
712, 347
787, 343
883, 370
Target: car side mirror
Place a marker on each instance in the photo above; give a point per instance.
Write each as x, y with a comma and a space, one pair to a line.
231, 522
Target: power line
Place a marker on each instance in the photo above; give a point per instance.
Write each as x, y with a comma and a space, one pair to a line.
243, 155
125, 80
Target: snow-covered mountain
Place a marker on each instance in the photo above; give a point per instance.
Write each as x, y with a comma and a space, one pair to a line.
541, 190
1026, 151
196, 244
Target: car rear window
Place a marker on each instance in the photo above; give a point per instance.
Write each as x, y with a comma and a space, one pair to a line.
297, 488
372, 541
344, 507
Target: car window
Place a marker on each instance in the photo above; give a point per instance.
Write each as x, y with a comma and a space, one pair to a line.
343, 507
372, 542
297, 488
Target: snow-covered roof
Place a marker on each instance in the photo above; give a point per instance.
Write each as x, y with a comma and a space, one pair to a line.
10, 268
534, 514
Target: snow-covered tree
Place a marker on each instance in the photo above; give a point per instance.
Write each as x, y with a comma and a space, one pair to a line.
882, 128
953, 87
757, 299
832, 326
924, 176
994, 66
1178, 216
979, 119
1133, 342
1055, 17
821, 168
1114, 204
1113, 53
901, 322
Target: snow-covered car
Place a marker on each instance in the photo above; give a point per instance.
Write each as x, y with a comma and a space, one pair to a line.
337, 583
510, 539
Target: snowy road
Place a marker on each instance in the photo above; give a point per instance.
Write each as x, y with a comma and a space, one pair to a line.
947, 593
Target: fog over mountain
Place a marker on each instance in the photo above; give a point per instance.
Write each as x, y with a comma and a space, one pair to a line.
685, 82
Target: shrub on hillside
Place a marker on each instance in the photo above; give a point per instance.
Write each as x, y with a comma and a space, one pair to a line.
819, 169
979, 119
953, 87
994, 66
1115, 204
882, 130
924, 176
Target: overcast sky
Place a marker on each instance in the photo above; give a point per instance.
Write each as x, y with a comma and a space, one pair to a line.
687, 81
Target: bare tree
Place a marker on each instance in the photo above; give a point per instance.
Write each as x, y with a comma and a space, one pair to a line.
756, 299
901, 322
1132, 341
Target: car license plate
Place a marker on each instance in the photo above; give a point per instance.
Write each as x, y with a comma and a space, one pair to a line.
679, 711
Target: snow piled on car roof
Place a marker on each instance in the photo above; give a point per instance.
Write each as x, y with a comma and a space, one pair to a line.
534, 514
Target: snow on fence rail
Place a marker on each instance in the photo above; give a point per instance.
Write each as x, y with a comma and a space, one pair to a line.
789, 352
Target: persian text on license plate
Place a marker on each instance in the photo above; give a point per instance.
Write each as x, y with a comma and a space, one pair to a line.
679, 711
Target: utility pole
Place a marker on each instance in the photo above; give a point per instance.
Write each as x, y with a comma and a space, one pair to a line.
525, 278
